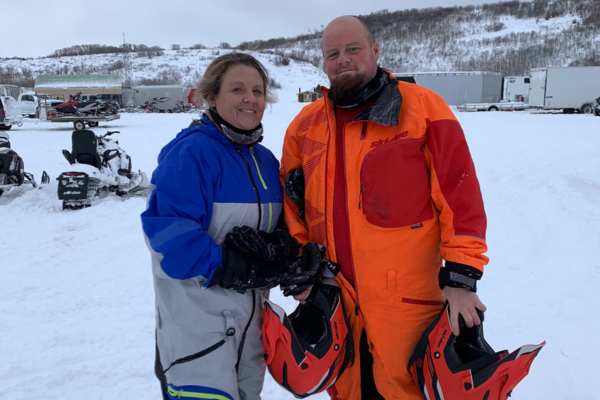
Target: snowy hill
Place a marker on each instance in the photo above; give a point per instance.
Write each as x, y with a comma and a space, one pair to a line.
76, 296
507, 37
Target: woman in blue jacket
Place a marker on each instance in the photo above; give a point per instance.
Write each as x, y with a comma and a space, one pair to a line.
213, 177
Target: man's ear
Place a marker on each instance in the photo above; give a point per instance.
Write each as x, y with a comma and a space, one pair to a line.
376, 49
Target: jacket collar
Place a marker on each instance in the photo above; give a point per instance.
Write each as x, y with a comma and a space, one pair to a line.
205, 126
385, 110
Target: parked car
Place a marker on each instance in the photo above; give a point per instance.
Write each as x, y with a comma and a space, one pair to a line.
10, 113
29, 102
117, 98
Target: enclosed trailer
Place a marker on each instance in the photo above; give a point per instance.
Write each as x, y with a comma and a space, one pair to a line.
460, 87
516, 88
163, 97
571, 89
515, 95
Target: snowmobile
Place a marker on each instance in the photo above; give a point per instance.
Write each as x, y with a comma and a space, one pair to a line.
12, 168
597, 107
81, 108
100, 167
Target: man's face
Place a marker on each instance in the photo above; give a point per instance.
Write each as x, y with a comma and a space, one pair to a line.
350, 58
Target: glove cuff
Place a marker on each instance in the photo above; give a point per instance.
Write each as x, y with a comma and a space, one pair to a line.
290, 246
219, 273
232, 270
459, 276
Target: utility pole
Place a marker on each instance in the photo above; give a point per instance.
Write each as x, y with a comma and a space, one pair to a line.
127, 64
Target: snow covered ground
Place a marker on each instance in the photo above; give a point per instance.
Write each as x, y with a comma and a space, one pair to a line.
76, 297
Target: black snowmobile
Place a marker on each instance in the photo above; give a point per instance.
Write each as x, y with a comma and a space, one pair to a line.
100, 167
12, 168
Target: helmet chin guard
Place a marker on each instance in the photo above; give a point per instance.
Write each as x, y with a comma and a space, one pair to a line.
307, 351
445, 366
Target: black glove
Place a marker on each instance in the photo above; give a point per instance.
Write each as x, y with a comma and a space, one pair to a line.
294, 188
312, 264
260, 245
240, 274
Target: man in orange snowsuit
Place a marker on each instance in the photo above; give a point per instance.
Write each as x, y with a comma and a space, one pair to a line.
388, 185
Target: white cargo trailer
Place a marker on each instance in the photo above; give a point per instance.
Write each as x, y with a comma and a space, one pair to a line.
460, 87
515, 89
163, 97
571, 89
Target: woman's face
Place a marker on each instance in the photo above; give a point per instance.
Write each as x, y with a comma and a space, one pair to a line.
241, 100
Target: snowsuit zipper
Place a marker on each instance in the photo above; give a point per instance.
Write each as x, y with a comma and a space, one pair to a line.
351, 255
237, 148
264, 185
243, 338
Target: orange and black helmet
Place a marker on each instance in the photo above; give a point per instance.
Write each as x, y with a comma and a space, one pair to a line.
445, 366
307, 351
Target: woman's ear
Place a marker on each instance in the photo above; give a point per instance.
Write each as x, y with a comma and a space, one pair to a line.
212, 102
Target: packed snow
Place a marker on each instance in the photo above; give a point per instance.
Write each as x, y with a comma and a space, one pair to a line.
76, 295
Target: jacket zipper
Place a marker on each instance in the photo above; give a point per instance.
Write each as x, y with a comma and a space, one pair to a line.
237, 148
264, 185
243, 337
326, 173
356, 304
363, 131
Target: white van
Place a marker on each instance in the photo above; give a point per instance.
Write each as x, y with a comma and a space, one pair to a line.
10, 113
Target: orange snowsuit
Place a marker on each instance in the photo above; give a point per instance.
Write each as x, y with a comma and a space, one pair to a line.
413, 199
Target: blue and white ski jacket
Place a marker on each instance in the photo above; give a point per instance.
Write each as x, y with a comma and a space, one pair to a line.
204, 186
209, 339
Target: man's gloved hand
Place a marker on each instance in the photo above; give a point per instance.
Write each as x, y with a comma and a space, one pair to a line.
294, 188
260, 245
311, 266
240, 274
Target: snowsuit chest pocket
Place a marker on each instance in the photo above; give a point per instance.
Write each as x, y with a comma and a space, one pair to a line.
395, 184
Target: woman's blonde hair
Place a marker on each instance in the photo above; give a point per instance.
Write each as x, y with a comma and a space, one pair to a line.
210, 84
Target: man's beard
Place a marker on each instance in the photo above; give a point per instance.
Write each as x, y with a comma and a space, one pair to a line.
348, 85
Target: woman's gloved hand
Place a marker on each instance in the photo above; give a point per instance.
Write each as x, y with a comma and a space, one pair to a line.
261, 245
240, 273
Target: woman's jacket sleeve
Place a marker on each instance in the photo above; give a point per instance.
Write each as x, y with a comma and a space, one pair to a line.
179, 213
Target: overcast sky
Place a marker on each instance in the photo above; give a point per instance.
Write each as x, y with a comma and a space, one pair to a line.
36, 28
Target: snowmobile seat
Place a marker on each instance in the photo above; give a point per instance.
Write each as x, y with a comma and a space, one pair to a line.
4, 140
84, 148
